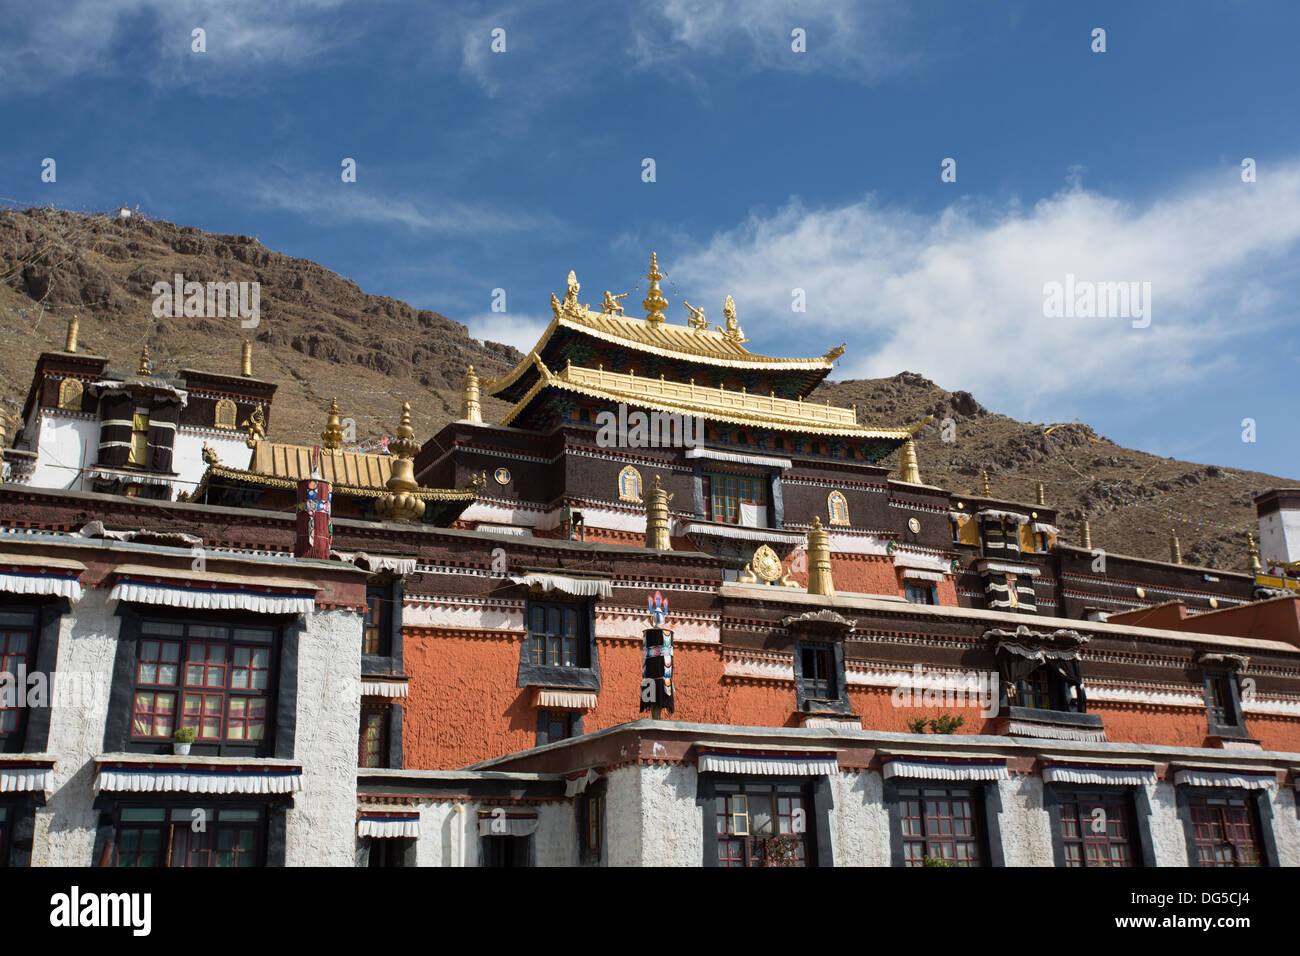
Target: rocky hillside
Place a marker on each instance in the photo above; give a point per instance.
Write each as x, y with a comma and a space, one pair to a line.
320, 336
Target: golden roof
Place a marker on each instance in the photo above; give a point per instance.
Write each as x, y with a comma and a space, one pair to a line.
717, 404
293, 463
341, 488
706, 346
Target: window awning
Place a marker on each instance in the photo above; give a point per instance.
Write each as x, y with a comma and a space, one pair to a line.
1042, 527
743, 533
32, 574
26, 776
383, 687
1218, 777
215, 775
995, 515
576, 587
579, 782
376, 562
212, 591
911, 574
502, 822
387, 825
941, 768
564, 699
1054, 731
774, 763
1134, 775
762, 461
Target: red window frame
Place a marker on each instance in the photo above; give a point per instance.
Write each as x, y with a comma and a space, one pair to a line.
12, 660
1225, 831
755, 825
372, 747
1084, 845
940, 823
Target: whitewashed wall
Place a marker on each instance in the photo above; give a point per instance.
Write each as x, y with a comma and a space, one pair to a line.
187, 453
64, 444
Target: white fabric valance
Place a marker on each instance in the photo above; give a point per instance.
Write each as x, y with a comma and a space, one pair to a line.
1021, 729
994, 515
16, 779
1237, 779
376, 562
576, 587
191, 780
796, 765
17, 583
961, 517
224, 599
744, 534
762, 461
507, 824
384, 688
911, 574
922, 769
576, 785
1019, 569
388, 827
1042, 527
1101, 776
565, 699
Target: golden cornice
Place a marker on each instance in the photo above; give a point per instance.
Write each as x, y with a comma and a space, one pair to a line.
717, 404
351, 491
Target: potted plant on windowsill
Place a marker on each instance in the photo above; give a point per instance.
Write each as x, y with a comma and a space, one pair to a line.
182, 740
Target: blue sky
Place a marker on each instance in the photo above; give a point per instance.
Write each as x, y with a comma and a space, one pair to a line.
774, 171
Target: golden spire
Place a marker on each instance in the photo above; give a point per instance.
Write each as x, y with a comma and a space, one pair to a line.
144, 360
1042, 494
985, 475
819, 560
471, 410
246, 359
70, 344
1175, 549
4, 430
1253, 551
332, 437
400, 504
656, 518
655, 304
908, 469
1085, 534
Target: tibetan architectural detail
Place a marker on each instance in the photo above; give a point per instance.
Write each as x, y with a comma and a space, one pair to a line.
732, 332
1175, 549
246, 359
332, 437
909, 469
70, 343
654, 304
145, 364
1085, 534
819, 560
471, 409
657, 519
401, 504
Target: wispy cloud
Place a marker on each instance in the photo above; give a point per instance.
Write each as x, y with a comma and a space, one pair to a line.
508, 328
959, 295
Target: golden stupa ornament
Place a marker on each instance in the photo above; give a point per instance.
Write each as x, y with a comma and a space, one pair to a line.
1042, 494
908, 469
1175, 549
819, 560
656, 518
246, 359
1252, 549
332, 437
1085, 534
732, 332
70, 343
471, 408
654, 303
401, 504
144, 360
987, 492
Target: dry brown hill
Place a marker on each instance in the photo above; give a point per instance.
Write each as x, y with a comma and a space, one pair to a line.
320, 336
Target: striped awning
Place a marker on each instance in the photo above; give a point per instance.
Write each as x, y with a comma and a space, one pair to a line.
197, 778
1134, 775
911, 574
1216, 777
770, 763
387, 825
576, 587
379, 687
503, 822
1022, 728
26, 776
564, 699
938, 768
36, 574
213, 592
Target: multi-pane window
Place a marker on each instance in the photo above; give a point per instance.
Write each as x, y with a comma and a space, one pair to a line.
557, 634
762, 824
594, 826
1097, 829
139, 438
375, 626
553, 725
372, 750
190, 836
818, 673
1224, 831
17, 644
1219, 700
921, 593
1035, 690
940, 823
724, 495
213, 678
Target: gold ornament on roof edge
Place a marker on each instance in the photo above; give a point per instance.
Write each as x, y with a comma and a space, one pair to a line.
610, 304
697, 319
256, 425
766, 564
733, 332
654, 303
400, 504
332, 437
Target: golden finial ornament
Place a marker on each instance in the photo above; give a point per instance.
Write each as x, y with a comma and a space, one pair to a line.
1042, 494
732, 332
908, 468
1085, 534
819, 560
332, 437
1175, 549
656, 518
471, 409
144, 360
570, 306
246, 359
1252, 549
70, 343
401, 504
655, 304
985, 476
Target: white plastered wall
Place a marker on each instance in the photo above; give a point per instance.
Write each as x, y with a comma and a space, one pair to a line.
65, 445
187, 453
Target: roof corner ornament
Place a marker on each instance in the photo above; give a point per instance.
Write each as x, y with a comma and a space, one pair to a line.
836, 352
471, 408
697, 320
733, 332
569, 307
655, 304
144, 361
610, 304
210, 455
256, 425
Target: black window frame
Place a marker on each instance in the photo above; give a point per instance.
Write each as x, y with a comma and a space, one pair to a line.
1226, 679
929, 590
585, 677
987, 797
592, 802
819, 803
33, 731
1258, 805
806, 687
502, 850
1135, 801
270, 847
546, 718
389, 661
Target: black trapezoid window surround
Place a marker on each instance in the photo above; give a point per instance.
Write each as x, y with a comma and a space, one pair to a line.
1042, 683
559, 649
819, 675
1226, 827
197, 833
1099, 826
765, 820
381, 634
938, 823
1220, 683
31, 685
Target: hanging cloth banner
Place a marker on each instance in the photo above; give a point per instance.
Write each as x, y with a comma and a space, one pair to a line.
657, 689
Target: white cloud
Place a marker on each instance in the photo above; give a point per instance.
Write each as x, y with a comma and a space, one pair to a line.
508, 328
958, 295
